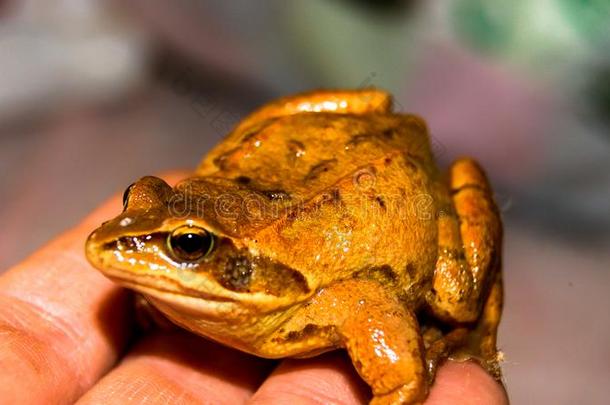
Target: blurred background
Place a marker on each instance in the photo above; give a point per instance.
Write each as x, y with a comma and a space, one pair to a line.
94, 94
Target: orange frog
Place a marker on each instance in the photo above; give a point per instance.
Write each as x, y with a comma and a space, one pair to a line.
321, 222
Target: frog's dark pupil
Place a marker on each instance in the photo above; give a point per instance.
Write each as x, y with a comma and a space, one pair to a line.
192, 243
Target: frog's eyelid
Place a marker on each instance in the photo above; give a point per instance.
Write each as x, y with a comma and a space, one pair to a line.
126, 195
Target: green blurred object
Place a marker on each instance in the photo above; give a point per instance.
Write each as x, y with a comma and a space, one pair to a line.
486, 25
591, 18
346, 45
534, 33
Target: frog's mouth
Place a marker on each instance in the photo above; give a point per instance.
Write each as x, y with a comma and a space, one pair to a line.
200, 297
201, 305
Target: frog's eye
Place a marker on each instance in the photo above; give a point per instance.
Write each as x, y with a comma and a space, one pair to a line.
190, 243
126, 195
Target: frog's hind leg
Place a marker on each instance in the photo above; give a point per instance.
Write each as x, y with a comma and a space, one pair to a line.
467, 283
469, 246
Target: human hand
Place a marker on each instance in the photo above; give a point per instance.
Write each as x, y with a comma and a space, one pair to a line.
67, 335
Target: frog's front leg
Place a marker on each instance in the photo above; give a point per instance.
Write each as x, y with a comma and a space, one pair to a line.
469, 246
381, 336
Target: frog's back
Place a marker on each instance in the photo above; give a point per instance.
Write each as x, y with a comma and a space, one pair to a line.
302, 154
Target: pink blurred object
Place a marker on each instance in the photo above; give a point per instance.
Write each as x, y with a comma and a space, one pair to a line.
474, 107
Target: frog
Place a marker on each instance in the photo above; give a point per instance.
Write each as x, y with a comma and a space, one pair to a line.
320, 222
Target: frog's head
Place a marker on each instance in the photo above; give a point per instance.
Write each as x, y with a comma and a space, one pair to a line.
188, 248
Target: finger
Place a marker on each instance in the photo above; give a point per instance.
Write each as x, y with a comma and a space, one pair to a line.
332, 379
180, 368
326, 379
62, 324
465, 383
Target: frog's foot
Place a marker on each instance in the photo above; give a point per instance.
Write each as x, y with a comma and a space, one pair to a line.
477, 343
483, 338
442, 347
